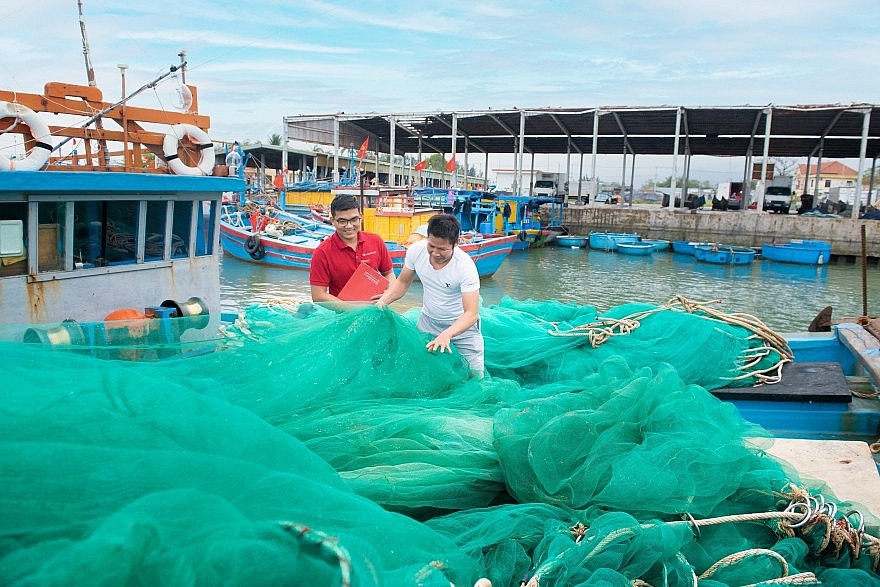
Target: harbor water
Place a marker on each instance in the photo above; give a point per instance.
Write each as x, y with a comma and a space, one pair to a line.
785, 296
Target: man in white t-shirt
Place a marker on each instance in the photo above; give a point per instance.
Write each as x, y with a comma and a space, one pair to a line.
451, 291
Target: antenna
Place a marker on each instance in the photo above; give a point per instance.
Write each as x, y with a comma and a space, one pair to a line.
90, 74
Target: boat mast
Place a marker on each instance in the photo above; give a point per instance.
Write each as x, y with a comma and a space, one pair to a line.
90, 74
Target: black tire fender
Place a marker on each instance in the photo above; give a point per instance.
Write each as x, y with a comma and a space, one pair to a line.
254, 247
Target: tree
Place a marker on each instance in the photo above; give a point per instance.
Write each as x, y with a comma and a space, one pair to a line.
784, 165
436, 161
275, 139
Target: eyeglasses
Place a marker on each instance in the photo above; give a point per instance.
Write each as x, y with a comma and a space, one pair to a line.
344, 221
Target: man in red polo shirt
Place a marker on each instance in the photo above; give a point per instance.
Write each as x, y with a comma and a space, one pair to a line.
336, 259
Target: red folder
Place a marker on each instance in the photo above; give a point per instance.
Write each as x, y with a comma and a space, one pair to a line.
364, 283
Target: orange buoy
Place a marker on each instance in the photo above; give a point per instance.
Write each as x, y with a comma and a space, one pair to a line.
125, 314
135, 322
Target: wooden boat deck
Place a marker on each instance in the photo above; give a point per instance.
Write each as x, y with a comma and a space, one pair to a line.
846, 466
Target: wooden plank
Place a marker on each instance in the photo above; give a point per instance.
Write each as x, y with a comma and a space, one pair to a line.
846, 466
863, 346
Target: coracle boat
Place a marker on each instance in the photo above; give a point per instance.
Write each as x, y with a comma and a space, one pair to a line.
572, 241
724, 254
639, 249
608, 241
686, 247
803, 252
658, 244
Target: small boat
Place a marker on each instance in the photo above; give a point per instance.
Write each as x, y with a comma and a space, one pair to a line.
724, 254
804, 252
658, 244
608, 241
572, 241
637, 248
686, 247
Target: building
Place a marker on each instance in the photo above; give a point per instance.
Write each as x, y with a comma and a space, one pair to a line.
832, 174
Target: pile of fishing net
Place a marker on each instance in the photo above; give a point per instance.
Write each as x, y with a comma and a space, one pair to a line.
331, 448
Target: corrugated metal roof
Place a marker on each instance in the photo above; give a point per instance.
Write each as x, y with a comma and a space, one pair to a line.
796, 131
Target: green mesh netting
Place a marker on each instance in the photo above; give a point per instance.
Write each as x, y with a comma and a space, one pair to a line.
306, 446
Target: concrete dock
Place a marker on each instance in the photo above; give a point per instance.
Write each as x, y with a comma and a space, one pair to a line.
748, 228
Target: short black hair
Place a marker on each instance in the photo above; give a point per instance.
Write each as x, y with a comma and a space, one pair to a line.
444, 226
343, 202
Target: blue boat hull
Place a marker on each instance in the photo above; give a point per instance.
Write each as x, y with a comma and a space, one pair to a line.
296, 251
807, 252
572, 241
686, 247
637, 249
823, 408
608, 241
658, 244
724, 255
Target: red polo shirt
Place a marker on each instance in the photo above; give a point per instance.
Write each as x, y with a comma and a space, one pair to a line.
334, 262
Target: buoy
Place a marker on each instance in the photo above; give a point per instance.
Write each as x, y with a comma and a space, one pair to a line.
136, 323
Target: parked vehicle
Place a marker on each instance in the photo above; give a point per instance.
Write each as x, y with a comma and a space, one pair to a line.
551, 185
777, 196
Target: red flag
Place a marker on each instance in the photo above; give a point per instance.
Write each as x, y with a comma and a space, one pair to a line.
423, 164
278, 182
363, 150
450, 165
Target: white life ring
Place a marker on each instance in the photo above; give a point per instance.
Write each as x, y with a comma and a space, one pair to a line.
200, 139
39, 155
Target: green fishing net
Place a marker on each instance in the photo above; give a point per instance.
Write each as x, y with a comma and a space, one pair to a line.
307, 446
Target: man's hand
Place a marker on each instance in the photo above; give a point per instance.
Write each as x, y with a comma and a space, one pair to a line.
441, 343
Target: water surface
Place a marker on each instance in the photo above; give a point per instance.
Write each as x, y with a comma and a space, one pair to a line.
786, 297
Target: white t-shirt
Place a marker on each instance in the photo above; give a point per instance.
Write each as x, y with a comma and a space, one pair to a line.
443, 287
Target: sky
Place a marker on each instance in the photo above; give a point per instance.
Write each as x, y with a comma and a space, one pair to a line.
256, 62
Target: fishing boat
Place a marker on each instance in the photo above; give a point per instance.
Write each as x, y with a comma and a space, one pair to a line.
724, 254
108, 226
572, 241
820, 395
636, 249
658, 244
803, 252
608, 241
270, 236
686, 247
488, 252
276, 238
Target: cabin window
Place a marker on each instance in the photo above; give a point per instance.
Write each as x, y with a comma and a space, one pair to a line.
180, 229
84, 234
88, 237
154, 244
13, 239
51, 219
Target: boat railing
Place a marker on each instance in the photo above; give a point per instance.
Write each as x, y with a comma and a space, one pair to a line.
136, 141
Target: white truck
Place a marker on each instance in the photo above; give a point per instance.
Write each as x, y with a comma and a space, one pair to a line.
777, 194
550, 185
